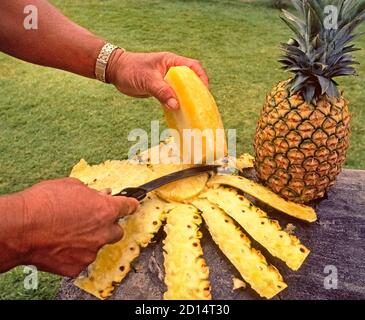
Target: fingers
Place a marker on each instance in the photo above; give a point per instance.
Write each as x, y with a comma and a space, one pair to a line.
116, 234
123, 206
164, 93
193, 64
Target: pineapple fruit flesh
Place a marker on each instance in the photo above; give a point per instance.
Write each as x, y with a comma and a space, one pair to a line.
198, 110
259, 226
302, 135
181, 190
265, 279
186, 273
258, 191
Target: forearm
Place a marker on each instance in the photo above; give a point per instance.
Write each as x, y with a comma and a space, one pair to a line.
58, 42
12, 233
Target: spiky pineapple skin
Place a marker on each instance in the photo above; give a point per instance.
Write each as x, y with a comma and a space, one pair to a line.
301, 147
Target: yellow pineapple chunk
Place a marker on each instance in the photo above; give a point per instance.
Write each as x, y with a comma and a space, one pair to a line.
265, 279
255, 222
185, 268
180, 190
265, 195
113, 261
198, 110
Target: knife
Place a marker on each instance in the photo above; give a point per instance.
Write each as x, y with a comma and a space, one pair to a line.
140, 192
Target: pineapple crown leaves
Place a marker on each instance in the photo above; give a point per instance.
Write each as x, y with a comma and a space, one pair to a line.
318, 53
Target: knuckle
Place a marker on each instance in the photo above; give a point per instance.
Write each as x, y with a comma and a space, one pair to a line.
168, 54
196, 63
107, 208
74, 272
163, 91
73, 180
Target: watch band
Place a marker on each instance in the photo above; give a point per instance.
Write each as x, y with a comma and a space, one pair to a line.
102, 60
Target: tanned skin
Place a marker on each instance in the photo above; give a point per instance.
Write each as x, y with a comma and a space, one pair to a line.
59, 225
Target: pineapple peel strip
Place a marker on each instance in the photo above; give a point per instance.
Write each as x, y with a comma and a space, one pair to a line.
113, 262
265, 279
114, 174
265, 195
186, 273
255, 222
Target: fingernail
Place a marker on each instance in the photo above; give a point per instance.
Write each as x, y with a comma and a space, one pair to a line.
172, 103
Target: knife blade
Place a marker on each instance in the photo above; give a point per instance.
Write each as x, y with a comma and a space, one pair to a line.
140, 192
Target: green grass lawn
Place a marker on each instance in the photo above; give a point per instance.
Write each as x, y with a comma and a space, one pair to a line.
50, 119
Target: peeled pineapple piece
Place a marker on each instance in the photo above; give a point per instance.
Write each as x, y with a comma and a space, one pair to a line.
265, 195
113, 262
265, 279
185, 268
198, 110
180, 190
255, 222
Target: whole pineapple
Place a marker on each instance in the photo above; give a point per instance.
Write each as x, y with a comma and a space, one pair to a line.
303, 133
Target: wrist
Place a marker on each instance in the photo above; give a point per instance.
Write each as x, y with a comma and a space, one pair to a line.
13, 231
113, 64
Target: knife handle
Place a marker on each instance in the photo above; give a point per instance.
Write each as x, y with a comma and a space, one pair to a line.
136, 193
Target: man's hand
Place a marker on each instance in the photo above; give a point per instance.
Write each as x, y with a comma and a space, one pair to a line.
141, 74
66, 223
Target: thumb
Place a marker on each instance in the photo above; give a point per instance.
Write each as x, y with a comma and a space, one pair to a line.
165, 94
124, 205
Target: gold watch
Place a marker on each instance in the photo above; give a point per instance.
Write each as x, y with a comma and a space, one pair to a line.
102, 60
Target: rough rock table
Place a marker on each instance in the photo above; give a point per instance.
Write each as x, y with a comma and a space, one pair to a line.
337, 258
